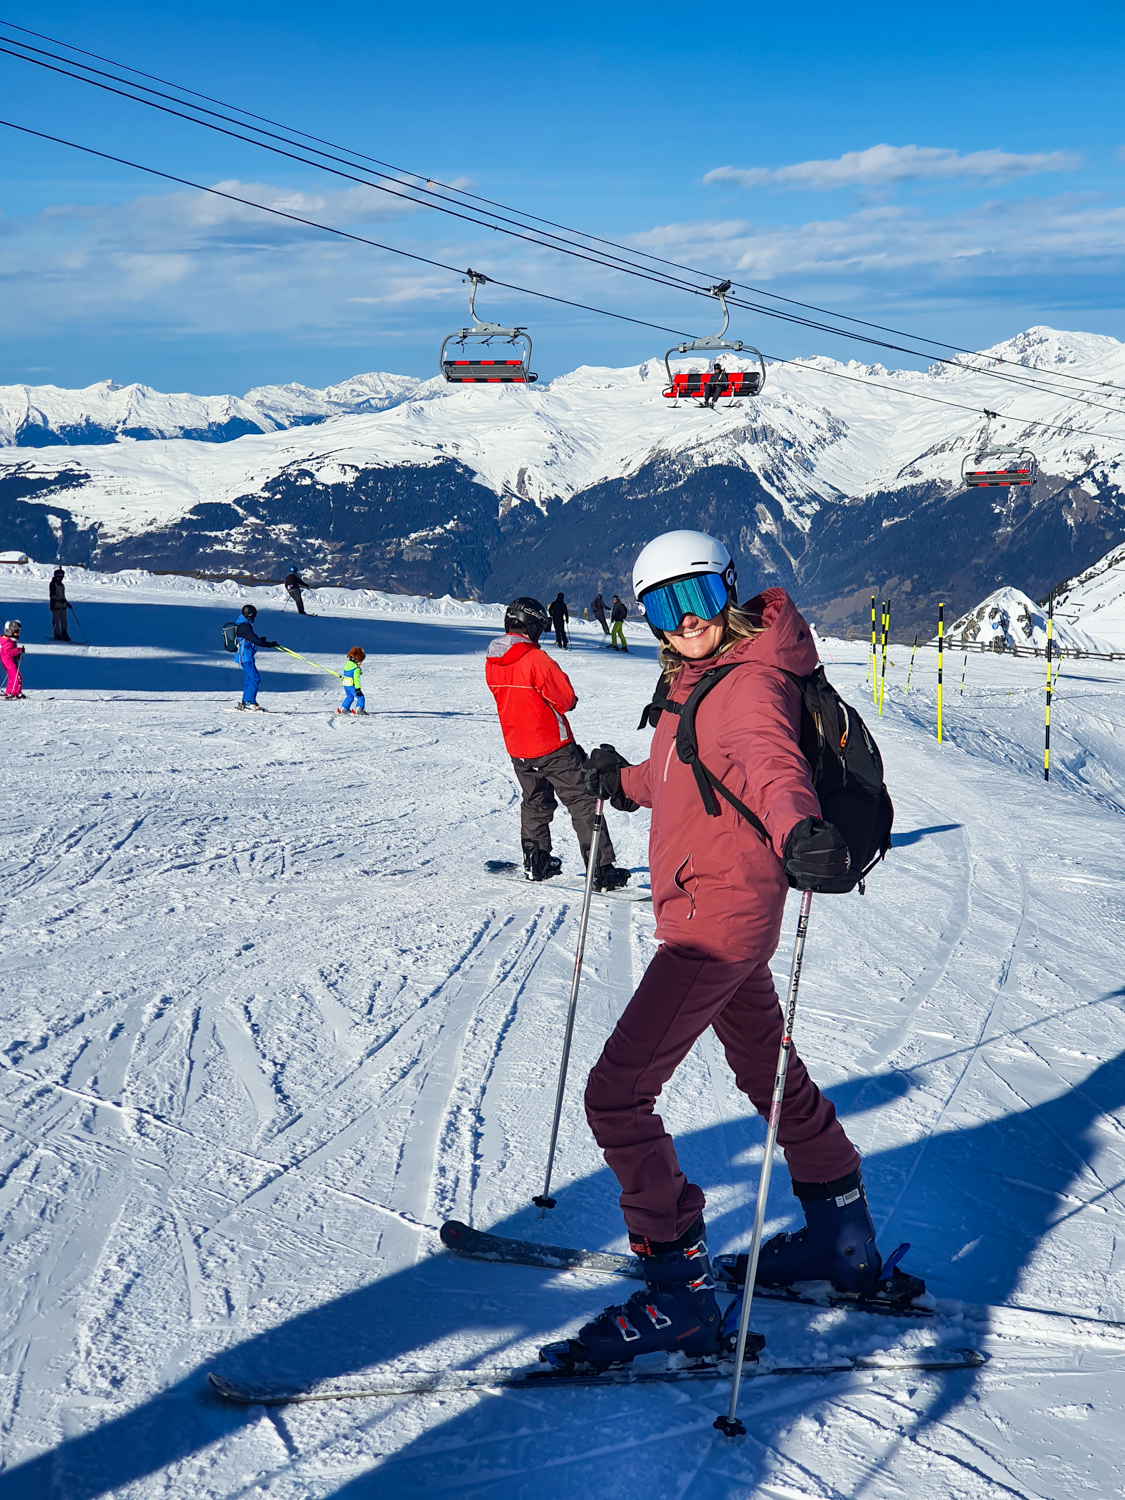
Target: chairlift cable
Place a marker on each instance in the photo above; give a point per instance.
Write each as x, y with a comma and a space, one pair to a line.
554, 224
509, 285
441, 205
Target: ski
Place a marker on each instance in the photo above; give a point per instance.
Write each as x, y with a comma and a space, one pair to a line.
449, 1382
508, 871
478, 1244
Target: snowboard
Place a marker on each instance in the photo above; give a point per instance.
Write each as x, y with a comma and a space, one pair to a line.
539, 1377
508, 870
478, 1244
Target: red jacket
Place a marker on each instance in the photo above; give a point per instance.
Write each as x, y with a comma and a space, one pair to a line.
533, 697
717, 886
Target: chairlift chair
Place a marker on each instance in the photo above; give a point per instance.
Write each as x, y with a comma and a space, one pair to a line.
706, 387
480, 371
996, 464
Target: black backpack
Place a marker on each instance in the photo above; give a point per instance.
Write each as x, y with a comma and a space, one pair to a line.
847, 769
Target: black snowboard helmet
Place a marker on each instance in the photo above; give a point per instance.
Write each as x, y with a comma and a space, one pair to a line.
526, 617
249, 612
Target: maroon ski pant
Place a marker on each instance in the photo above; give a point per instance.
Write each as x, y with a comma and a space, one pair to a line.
681, 994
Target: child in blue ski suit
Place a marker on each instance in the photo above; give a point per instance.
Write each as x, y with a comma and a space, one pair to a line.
353, 692
247, 648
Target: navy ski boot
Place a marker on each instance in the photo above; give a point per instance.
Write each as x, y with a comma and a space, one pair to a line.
837, 1245
677, 1310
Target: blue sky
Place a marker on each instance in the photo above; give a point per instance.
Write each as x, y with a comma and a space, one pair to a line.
741, 141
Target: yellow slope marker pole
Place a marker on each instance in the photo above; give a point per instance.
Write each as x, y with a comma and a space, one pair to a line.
940, 658
1050, 686
883, 674
910, 674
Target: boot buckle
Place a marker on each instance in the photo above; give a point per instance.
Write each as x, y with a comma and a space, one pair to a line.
657, 1318
625, 1328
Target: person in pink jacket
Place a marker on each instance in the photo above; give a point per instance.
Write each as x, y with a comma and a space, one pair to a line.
11, 654
719, 892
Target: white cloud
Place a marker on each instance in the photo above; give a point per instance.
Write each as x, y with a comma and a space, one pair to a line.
882, 166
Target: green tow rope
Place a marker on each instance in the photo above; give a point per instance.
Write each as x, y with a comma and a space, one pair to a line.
311, 662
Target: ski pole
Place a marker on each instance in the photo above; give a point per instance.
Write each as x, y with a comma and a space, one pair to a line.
74, 612
911, 672
310, 662
729, 1425
544, 1201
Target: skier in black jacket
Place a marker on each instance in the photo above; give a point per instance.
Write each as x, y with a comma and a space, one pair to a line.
294, 583
560, 618
597, 609
59, 606
618, 614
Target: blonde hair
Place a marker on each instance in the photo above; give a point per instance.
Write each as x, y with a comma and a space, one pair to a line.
738, 625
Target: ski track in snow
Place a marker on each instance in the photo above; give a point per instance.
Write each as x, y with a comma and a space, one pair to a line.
264, 1024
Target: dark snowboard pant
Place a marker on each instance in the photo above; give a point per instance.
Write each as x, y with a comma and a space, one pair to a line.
539, 781
58, 623
560, 633
601, 619
295, 595
680, 995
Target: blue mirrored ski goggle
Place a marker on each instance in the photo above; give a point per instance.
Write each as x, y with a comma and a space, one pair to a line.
702, 595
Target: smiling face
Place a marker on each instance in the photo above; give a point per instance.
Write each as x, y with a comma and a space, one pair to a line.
694, 639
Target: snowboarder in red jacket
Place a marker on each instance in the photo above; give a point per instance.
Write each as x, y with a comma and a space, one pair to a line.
533, 697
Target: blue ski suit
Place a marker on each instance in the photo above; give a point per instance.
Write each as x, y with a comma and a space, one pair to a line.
353, 692
247, 649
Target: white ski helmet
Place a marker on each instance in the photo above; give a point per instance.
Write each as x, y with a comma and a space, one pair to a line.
678, 555
11, 627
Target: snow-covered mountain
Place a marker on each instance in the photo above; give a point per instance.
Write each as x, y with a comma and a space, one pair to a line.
1096, 598
1009, 618
46, 416
836, 482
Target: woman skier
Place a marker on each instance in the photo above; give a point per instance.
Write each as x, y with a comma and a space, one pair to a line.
719, 893
353, 690
11, 654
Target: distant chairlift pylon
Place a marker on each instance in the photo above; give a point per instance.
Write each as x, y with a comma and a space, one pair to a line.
706, 387
478, 335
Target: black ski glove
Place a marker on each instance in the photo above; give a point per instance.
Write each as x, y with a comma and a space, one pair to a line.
602, 772
816, 858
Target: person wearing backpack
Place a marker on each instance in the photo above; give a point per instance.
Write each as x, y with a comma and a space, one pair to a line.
249, 643
719, 888
618, 614
597, 609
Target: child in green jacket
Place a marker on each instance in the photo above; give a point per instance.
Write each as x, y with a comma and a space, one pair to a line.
353, 692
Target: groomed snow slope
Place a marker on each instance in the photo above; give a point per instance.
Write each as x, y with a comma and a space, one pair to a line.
820, 430
264, 1024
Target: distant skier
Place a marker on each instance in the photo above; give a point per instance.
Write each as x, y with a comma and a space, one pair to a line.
11, 654
719, 893
597, 609
560, 618
533, 697
59, 606
294, 583
249, 644
618, 614
354, 701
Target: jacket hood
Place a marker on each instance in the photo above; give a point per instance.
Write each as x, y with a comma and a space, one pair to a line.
509, 648
786, 642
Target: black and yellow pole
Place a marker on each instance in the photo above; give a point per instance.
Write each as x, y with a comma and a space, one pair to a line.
940, 661
913, 654
1050, 685
883, 672
874, 679
964, 669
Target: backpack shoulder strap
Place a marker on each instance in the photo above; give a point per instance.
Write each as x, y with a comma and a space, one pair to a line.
687, 749
660, 702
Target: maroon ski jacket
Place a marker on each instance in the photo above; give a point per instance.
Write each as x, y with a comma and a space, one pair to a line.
718, 887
